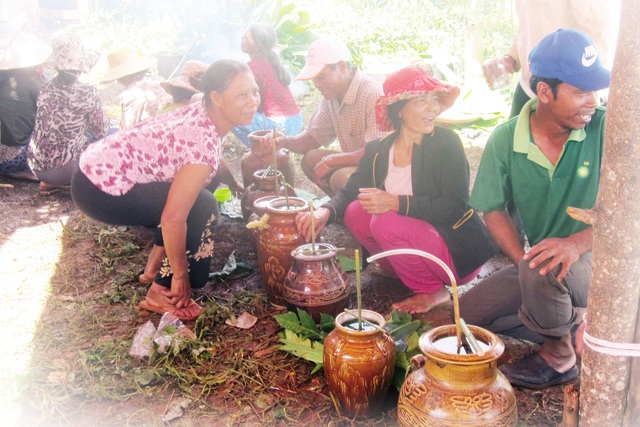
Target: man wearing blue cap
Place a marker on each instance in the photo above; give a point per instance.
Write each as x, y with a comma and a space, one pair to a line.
544, 160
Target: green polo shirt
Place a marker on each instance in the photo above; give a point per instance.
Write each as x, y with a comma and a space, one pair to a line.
514, 168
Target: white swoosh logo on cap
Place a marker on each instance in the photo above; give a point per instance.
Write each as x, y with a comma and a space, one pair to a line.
588, 62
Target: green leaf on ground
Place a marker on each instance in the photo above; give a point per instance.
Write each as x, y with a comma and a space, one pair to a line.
302, 347
290, 321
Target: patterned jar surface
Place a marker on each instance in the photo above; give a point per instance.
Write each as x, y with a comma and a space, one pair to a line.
451, 389
316, 282
276, 242
359, 365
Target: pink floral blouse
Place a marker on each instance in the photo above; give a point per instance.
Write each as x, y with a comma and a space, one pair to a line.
153, 150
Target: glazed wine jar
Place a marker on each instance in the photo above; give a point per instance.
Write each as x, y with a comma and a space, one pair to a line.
276, 242
316, 283
359, 364
457, 389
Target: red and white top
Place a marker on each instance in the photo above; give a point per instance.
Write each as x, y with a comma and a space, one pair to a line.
153, 150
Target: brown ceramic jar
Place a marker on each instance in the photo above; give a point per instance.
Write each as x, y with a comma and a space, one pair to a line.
276, 242
451, 389
263, 185
316, 282
258, 158
359, 365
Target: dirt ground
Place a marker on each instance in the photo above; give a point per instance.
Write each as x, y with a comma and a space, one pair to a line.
69, 317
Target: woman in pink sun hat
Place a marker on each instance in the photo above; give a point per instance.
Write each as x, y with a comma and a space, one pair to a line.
410, 191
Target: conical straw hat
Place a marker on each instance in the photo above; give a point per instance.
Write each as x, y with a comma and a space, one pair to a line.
23, 50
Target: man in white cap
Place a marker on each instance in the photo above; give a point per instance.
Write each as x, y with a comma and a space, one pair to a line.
347, 113
544, 161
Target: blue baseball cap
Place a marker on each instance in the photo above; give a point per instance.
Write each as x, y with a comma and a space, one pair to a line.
570, 56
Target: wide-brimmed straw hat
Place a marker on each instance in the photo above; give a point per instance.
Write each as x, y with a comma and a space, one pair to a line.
22, 51
70, 54
190, 77
408, 83
125, 62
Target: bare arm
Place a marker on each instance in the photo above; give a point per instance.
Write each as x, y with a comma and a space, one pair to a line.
300, 143
182, 195
335, 161
504, 234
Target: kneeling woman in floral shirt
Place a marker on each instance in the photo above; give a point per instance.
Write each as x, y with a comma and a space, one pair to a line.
156, 173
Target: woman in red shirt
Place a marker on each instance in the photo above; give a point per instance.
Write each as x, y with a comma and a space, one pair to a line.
278, 107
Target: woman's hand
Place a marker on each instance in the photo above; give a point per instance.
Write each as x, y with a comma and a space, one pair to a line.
303, 222
375, 201
180, 293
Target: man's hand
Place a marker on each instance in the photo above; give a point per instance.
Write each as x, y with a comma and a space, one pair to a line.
553, 251
377, 202
510, 64
268, 140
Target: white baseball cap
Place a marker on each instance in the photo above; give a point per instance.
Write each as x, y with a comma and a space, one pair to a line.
323, 52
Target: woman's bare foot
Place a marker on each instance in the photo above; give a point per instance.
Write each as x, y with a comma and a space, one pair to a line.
158, 301
423, 303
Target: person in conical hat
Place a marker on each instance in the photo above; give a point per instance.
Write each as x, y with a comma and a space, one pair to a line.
69, 115
24, 50
20, 83
142, 97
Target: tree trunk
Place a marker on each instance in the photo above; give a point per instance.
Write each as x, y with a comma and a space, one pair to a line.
632, 413
615, 284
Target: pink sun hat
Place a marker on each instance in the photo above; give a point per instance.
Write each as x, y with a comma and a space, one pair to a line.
408, 83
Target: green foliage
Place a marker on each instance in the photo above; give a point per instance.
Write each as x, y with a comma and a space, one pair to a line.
292, 26
301, 324
303, 338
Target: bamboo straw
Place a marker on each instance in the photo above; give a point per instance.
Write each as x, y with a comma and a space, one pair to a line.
313, 227
358, 293
273, 159
470, 338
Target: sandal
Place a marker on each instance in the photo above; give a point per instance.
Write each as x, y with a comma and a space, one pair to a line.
49, 190
535, 373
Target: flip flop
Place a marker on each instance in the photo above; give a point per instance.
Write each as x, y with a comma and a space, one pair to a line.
535, 373
144, 305
145, 280
49, 190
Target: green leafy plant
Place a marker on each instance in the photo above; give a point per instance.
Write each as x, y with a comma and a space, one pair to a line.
303, 338
293, 28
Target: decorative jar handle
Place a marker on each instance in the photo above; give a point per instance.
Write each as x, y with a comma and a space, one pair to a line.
415, 363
